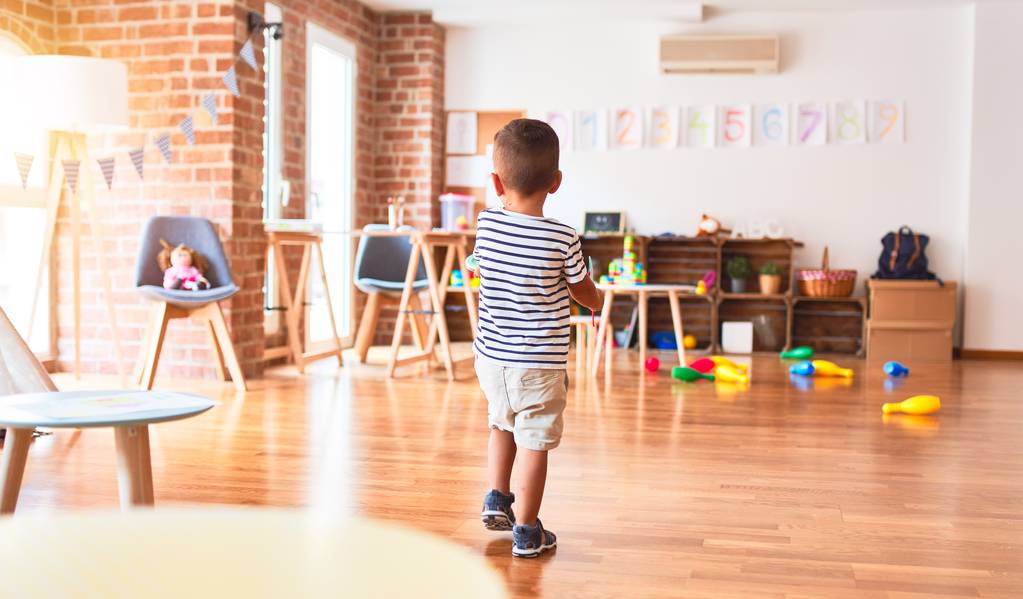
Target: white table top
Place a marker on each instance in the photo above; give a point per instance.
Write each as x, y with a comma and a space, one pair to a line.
86, 409
232, 552
636, 287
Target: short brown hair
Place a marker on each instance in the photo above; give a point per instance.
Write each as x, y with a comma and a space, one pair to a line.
526, 155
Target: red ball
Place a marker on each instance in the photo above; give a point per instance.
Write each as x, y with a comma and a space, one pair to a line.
652, 364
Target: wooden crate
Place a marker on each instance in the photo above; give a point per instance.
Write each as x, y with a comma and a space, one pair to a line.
680, 260
759, 252
830, 325
770, 320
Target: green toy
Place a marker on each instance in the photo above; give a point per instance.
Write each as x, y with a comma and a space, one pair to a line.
803, 352
689, 375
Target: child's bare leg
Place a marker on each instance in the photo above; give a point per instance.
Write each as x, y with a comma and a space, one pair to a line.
500, 459
533, 471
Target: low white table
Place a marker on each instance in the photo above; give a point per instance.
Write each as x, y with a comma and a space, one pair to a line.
642, 293
129, 413
233, 552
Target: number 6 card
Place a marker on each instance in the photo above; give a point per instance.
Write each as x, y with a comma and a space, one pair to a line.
772, 125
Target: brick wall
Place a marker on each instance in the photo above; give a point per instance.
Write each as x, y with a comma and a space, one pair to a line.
176, 51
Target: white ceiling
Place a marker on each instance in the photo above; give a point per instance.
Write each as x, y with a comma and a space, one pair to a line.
493, 9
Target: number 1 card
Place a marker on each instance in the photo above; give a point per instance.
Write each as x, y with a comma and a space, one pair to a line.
590, 130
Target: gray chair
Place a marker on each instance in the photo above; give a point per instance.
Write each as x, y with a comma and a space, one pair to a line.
199, 234
381, 263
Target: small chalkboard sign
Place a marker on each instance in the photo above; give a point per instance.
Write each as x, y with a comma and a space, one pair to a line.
604, 223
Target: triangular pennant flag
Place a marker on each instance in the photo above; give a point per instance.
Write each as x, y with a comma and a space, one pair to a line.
107, 166
71, 174
138, 156
231, 81
24, 166
247, 54
209, 102
163, 142
188, 127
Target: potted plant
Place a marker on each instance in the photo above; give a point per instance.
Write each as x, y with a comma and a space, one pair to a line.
770, 279
738, 269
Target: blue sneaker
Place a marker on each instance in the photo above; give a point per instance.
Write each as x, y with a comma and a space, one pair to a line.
531, 541
497, 512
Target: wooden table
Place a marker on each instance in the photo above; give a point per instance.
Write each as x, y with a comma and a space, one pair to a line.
642, 293
293, 306
233, 552
424, 244
129, 413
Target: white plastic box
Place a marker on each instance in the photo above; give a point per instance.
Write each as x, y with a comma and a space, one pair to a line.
457, 211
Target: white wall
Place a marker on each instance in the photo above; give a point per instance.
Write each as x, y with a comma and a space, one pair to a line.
994, 247
847, 197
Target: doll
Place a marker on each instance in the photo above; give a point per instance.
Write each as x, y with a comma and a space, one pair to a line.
183, 267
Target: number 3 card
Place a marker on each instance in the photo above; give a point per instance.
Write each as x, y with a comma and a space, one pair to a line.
663, 129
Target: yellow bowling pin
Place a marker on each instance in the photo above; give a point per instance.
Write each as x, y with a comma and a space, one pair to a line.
729, 374
825, 368
722, 361
918, 404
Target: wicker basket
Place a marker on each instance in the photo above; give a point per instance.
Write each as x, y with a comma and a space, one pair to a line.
824, 282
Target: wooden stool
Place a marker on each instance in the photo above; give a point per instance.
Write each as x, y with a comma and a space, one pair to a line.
585, 339
294, 304
424, 244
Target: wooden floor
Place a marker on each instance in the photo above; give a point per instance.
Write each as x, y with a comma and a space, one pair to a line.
659, 489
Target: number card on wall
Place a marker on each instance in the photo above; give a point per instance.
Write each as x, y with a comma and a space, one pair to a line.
663, 128
590, 130
888, 119
700, 126
561, 122
461, 133
812, 124
849, 122
772, 125
734, 131
627, 131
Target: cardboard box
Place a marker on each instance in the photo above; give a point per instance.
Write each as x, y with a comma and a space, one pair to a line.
907, 301
911, 320
909, 344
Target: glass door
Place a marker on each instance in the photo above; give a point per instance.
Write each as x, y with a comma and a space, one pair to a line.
330, 107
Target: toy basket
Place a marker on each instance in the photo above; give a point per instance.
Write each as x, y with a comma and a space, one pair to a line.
824, 282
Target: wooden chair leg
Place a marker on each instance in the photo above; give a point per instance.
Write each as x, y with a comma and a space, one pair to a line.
161, 316
140, 365
12, 467
216, 317
418, 321
368, 326
218, 354
134, 466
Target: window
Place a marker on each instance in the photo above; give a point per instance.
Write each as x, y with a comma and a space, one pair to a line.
275, 187
22, 219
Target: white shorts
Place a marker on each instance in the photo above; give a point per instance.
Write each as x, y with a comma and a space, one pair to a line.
528, 402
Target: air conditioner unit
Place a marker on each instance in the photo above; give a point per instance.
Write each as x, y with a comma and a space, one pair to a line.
719, 54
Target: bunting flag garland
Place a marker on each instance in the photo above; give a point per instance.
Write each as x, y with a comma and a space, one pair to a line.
163, 142
231, 81
187, 126
24, 166
71, 174
209, 102
247, 54
107, 166
138, 156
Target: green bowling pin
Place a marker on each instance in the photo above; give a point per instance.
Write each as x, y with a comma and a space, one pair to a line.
689, 375
803, 352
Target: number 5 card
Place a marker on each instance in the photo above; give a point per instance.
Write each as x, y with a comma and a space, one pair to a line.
735, 129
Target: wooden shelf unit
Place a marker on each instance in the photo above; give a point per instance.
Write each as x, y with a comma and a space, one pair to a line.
780, 320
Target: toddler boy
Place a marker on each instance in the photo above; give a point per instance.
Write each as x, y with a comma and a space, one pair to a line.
529, 265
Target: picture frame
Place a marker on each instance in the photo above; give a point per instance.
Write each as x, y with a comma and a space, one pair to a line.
604, 223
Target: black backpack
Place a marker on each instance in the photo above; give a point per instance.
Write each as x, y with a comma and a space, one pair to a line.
904, 256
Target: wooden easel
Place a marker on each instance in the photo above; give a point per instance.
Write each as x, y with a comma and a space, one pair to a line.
293, 304
71, 146
424, 244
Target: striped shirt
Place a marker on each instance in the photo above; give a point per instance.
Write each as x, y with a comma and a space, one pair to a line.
525, 264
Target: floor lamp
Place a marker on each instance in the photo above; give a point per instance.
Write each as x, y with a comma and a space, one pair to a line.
70, 96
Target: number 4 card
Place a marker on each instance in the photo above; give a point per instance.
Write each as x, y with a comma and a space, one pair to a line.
812, 124
700, 126
735, 131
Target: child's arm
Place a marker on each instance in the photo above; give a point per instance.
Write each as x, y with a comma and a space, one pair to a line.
587, 294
